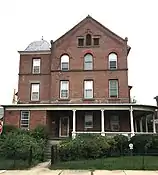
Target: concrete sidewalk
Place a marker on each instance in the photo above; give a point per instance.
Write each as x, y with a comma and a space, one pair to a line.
46, 171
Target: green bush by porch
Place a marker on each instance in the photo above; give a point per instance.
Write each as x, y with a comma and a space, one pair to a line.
89, 146
15, 145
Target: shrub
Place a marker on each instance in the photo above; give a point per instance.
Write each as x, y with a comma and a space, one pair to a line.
121, 143
141, 143
17, 145
9, 128
40, 132
86, 146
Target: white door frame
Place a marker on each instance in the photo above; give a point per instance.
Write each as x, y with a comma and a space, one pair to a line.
60, 128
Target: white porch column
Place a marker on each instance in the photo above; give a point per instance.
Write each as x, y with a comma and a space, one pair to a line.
141, 125
154, 127
102, 123
74, 124
131, 121
136, 125
146, 124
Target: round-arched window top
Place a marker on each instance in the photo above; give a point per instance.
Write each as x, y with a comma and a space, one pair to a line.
88, 62
112, 61
64, 62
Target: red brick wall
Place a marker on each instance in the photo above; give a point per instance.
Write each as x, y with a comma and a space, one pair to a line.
36, 118
49, 81
26, 78
12, 118
100, 74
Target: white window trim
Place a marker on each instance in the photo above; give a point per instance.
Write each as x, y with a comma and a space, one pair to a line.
110, 89
64, 59
111, 59
88, 89
38, 65
32, 91
24, 120
64, 89
88, 115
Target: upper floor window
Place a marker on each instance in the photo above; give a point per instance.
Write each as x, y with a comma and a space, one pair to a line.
36, 65
24, 119
88, 62
96, 41
65, 63
88, 40
64, 89
88, 89
81, 41
113, 88
35, 91
112, 61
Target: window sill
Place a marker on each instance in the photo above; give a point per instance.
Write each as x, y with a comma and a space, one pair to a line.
88, 99
63, 99
38, 101
92, 46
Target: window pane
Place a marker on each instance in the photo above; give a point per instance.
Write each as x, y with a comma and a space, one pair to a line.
80, 42
96, 41
88, 66
64, 66
36, 61
25, 119
88, 94
35, 87
113, 88
88, 121
88, 84
112, 61
64, 89
113, 65
88, 40
88, 62
65, 58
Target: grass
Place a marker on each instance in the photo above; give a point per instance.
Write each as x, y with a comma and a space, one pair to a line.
117, 163
9, 164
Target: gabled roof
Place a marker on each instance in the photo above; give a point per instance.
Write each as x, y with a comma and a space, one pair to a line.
102, 26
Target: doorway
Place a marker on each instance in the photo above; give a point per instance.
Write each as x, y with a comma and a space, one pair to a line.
64, 127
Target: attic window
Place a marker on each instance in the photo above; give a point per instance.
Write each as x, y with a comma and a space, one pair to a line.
88, 40
96, 41
80, 41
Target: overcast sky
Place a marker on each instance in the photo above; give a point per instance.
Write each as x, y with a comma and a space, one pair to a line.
23, 21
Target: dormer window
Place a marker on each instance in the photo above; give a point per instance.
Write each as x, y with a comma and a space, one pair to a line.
88, 40
65, 63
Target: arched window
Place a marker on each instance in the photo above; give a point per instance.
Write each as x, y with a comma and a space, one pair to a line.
64, 62
112, 61
88, 62
88, 40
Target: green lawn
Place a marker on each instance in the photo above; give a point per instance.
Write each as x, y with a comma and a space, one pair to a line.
6, 164
117, 163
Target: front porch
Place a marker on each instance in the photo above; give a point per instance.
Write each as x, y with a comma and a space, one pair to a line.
105, 120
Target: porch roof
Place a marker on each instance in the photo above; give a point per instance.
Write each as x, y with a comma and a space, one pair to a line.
87, 106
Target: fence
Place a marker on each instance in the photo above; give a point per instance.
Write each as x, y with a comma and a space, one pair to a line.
128, 159
16, 160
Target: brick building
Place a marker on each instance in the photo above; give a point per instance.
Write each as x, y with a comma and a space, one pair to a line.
78, 84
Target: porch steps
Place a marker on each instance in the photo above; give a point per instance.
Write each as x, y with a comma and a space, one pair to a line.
47, 151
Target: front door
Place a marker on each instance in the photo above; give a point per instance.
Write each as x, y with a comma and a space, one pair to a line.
64, 127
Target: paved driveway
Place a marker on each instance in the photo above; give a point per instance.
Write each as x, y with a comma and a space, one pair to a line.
46, 171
